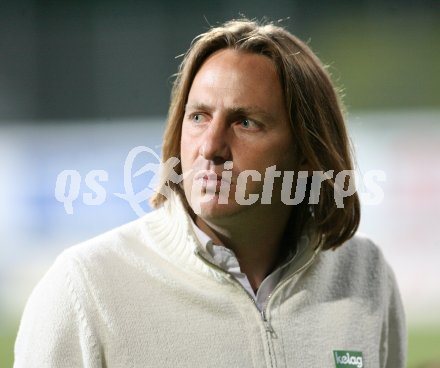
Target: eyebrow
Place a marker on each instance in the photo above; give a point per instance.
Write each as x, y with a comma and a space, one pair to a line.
234, 110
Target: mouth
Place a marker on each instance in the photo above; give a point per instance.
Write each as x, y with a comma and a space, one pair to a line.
211, 179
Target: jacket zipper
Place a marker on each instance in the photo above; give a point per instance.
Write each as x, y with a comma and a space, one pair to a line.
270, 332
233, 280
279, 286
267, 326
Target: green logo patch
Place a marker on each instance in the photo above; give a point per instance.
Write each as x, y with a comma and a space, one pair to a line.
346, 359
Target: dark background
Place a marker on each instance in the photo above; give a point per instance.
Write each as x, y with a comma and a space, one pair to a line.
82, 60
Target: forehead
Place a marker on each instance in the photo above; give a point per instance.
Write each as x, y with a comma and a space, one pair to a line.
237, 77
228, 60
242, 58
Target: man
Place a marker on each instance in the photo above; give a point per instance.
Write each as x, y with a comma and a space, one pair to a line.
226, 272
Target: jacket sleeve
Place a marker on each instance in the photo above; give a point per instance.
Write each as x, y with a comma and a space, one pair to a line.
396, 334
54, 329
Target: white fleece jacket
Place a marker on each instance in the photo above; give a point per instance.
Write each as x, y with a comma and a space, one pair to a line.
142, 296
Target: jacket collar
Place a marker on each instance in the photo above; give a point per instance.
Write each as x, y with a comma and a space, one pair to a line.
176, 241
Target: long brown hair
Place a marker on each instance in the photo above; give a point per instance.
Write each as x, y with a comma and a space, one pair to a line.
315, 111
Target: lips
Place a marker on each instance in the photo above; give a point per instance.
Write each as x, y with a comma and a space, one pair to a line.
211, 179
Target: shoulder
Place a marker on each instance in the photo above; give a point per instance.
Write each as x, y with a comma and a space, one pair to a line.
132, 237
98, 261
63, 315
124, 255
358, 266
359, 253
106, 249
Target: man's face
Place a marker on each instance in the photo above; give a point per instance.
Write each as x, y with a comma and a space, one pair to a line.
235, 114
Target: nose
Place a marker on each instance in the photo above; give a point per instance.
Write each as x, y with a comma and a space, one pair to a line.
215, 142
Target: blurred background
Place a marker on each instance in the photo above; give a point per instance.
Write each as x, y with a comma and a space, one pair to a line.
83, 83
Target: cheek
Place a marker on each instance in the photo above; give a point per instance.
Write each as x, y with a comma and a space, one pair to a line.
186, 152
183, 157
280, 155
285, 154
186, 164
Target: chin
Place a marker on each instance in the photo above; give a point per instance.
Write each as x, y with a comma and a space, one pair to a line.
212, 210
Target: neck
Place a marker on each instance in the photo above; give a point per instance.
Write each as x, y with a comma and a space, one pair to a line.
256, 239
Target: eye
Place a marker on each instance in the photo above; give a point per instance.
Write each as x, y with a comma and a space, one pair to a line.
247, 123
197, 118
